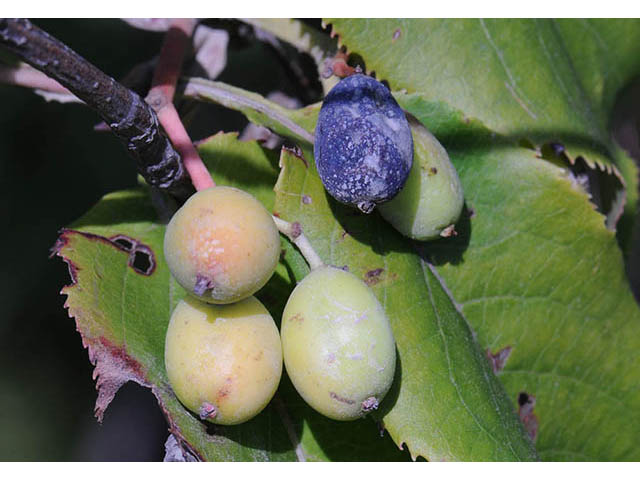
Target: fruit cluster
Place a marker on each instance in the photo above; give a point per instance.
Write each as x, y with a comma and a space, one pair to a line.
223, 351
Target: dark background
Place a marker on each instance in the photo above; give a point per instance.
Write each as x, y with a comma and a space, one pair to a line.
53, 168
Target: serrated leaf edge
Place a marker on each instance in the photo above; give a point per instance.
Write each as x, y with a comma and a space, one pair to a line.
105, 356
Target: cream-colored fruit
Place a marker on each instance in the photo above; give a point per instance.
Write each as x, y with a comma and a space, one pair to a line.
224, 362
222, 245
337, 343
432, 198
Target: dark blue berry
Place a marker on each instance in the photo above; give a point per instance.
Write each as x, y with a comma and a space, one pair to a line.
363, 145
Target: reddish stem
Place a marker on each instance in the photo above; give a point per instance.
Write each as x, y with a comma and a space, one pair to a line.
160, 97
170, 121
176, 42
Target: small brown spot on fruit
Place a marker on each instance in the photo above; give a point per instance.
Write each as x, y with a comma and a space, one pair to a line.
298, 318
337, 397
433, 171
258, 356
223, 392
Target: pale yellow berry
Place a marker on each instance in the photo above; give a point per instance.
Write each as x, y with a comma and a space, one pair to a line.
338, 346
222, 245
223, 362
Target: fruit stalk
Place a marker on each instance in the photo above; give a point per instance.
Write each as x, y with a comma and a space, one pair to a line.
129, 116
293, 231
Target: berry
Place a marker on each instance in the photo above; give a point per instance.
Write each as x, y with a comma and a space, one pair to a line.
224, 362
337, 343
222, 245
432, 198
363, 146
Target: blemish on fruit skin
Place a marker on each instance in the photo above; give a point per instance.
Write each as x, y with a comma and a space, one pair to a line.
223, 392
306, 199
337, 397
298, 318
433, 171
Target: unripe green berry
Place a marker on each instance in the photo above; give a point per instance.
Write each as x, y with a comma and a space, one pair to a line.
224, 362
337, 343
222, 245
432, 198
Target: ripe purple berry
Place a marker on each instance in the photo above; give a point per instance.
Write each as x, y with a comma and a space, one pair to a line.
363, 145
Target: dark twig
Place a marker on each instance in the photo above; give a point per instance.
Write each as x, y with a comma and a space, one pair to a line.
129, 117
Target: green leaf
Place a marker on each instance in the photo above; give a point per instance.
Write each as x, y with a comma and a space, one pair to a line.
534, 269
442, 374
538, 80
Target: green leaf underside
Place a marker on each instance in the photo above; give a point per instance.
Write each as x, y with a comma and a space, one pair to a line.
122, 316
541, 274
540, 80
